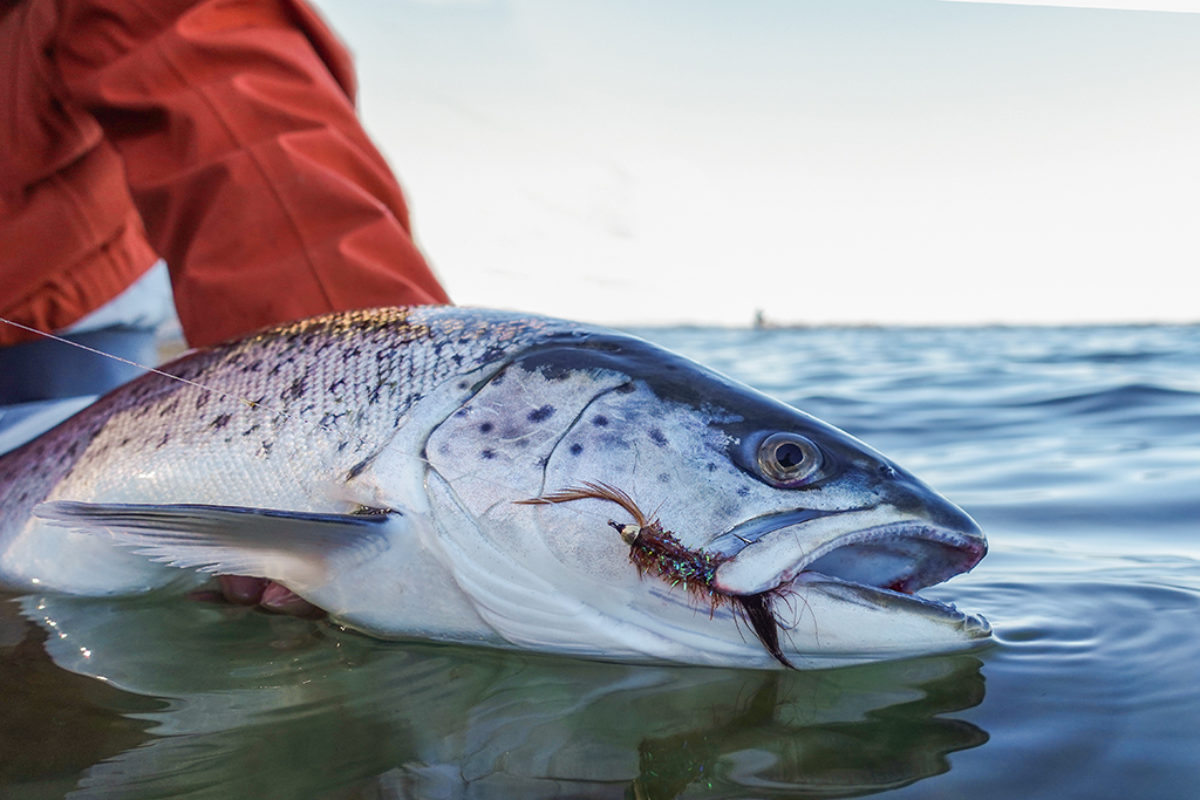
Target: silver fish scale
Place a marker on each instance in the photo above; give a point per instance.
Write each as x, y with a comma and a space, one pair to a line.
289, 408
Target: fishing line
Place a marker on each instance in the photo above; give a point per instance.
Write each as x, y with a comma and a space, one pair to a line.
137, 365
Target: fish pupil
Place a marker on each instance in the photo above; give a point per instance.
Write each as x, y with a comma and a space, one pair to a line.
789, 455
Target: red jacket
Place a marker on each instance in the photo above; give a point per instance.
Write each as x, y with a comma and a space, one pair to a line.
221, 136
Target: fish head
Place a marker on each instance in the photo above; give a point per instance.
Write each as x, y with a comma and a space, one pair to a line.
760, 500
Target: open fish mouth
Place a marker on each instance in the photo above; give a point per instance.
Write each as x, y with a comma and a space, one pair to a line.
884, 564
901, 557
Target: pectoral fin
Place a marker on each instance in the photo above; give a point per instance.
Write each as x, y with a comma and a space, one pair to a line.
292, 547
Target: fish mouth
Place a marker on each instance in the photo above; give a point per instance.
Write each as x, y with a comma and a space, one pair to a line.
901, 557
885, 563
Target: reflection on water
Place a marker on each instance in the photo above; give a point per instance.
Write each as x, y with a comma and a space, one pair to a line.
206, 701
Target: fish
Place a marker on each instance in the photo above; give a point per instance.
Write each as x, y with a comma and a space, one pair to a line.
492, 478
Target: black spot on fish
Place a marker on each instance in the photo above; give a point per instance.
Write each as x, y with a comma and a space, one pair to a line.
357, 469
488, 455
486, 427
541, 414
340, 383
330, 420
664, 477
221, 421
162, 442
202, 399
600, 420
711, 467
251, 429
463, 385
266, 446
657, 437
625, 388
576, 449
743, 491
295, 390
373, 395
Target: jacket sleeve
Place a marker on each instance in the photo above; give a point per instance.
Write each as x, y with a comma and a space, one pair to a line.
70, 236
245, 158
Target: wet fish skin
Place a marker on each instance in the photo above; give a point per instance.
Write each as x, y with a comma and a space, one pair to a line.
444, 418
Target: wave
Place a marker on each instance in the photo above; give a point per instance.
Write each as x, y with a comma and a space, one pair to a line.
1114, 398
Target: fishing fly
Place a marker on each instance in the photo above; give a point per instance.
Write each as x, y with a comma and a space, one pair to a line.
659, 553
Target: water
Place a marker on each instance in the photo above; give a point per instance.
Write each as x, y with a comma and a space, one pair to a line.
1077, 449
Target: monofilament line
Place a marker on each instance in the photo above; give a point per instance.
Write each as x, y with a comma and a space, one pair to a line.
132, 363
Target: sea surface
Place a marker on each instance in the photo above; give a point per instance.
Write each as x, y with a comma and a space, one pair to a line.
1077, 449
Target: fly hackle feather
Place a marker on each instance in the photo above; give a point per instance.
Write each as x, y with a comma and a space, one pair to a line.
755, 609
592, 490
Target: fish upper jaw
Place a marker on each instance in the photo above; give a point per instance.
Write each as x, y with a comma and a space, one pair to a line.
878, 547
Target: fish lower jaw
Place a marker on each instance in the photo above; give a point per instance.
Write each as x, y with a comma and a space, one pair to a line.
967, 626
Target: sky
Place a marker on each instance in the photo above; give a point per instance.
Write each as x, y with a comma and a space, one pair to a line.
833, 161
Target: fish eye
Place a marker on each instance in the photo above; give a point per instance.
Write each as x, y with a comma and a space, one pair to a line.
788, 459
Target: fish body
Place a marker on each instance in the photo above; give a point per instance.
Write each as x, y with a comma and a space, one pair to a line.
377, 464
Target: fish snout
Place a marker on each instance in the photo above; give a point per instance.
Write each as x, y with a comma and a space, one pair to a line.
908, 494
